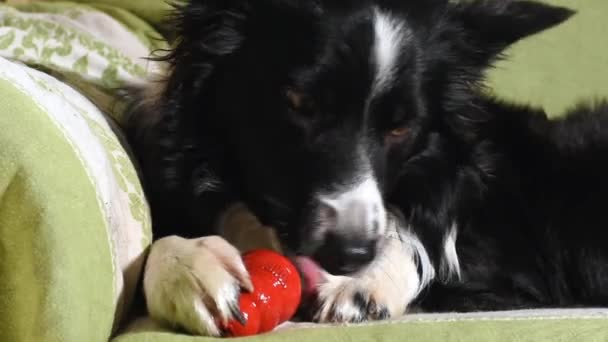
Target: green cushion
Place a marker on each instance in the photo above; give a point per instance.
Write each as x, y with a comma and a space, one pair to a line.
534, 326
74, 224
51, 258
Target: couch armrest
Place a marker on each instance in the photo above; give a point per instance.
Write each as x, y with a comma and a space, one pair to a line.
74, 225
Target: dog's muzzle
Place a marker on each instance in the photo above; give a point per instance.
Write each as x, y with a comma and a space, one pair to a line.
350, 224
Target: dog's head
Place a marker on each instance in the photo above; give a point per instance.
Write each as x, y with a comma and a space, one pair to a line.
318, 106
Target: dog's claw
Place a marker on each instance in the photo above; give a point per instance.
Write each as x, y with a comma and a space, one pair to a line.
238, 315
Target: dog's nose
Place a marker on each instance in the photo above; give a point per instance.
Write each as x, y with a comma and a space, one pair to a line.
350, 222
340, 254
349, 242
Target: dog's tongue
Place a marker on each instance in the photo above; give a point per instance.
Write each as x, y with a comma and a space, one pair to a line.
312, 274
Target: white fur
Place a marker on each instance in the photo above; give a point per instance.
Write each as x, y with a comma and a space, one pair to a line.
207, 182
359, 205
401, 232
450, 265
192, 282
390, 36
391, 281
421, 258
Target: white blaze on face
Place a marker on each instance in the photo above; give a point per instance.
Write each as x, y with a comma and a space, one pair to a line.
391, 35
357, 203
359, 207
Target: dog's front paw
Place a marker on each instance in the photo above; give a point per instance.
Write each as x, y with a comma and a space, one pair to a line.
195, 284
345, 299
383, 289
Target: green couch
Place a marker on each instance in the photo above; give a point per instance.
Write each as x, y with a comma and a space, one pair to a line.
75, 226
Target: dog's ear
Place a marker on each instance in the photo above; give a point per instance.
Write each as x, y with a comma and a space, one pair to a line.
169, 119
206, 31
165, 115
478, 32
493, 25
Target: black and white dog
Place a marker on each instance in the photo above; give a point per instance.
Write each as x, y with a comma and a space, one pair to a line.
361, 131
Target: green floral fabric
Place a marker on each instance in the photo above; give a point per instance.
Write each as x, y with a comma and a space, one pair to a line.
57, 271
152, 11
74, 223
81, 44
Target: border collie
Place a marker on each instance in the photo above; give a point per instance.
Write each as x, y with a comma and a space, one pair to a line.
361, 131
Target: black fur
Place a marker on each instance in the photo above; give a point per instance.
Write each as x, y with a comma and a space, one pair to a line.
526, 193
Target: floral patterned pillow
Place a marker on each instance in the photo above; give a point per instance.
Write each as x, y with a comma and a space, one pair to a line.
74, 223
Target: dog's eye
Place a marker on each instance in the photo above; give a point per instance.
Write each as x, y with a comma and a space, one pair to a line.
397, 135
399, 131
295, 99
301, 106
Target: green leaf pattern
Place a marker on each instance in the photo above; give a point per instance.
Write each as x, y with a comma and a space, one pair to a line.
122, 167
7, 39
45, 41
81, 65
63, 50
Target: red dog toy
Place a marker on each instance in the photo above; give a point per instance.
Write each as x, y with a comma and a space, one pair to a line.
276, 295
